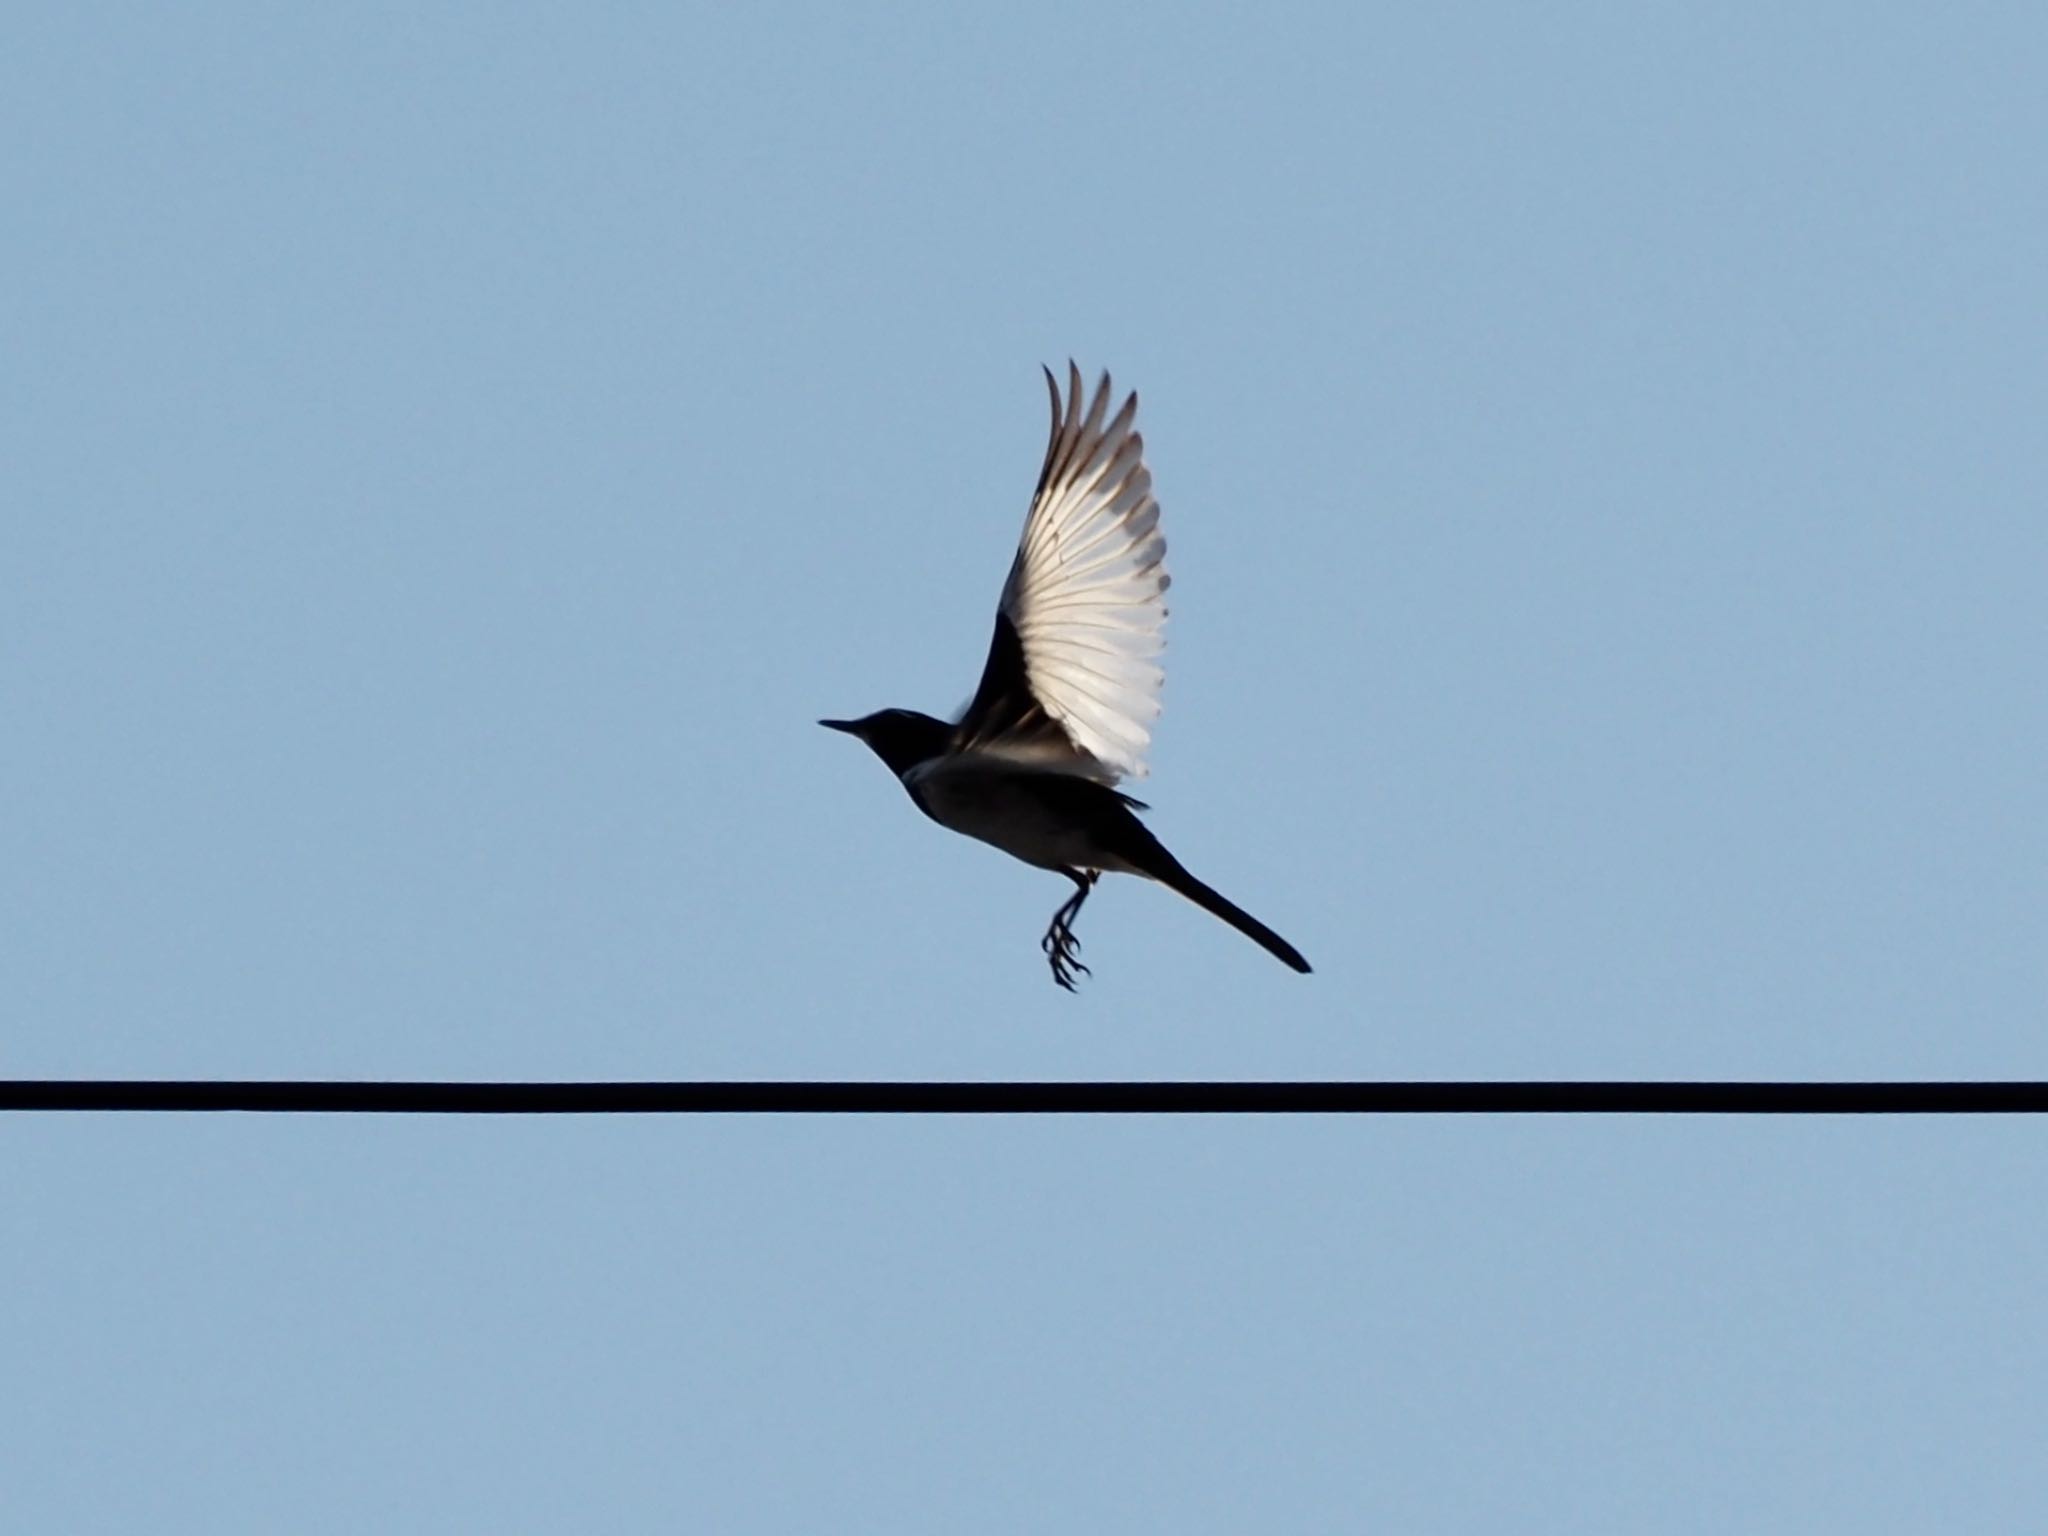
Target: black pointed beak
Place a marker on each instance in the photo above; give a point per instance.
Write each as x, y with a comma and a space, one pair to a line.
851, 727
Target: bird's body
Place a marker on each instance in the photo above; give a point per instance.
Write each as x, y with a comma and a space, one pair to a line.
1069, 690
1054, 820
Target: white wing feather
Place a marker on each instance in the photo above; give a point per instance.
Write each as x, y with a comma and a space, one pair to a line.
1087, 592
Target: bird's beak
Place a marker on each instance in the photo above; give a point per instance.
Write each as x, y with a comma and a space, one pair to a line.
851, 727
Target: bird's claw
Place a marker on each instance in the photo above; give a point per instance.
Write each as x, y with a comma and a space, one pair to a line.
1064, 952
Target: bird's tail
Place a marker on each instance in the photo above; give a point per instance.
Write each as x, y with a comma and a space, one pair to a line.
1168, 872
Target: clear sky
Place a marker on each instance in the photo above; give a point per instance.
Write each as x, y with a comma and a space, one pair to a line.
449, 457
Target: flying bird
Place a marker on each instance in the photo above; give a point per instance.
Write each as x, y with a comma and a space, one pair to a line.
1070, 688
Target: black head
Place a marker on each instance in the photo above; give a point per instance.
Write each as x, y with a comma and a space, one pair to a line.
902, 738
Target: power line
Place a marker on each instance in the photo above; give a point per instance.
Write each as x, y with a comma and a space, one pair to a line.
1027, 1098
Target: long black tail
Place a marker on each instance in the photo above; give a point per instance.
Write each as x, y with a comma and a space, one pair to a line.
1168, 872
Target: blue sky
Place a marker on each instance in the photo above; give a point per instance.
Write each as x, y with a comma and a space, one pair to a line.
450, 459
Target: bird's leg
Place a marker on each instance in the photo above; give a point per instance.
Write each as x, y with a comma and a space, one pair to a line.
1059, 943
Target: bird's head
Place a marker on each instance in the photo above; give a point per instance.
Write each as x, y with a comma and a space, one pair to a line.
902, 738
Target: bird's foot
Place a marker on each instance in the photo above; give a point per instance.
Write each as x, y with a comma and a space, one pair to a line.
1063, 951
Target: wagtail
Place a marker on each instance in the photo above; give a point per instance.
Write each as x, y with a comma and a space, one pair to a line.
1071, 687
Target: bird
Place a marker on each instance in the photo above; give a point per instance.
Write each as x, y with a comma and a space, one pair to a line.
1071, 686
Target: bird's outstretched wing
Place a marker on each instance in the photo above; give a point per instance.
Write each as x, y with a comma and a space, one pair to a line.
1072, 680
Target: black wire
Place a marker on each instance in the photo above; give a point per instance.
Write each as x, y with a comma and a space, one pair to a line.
1032, 1098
